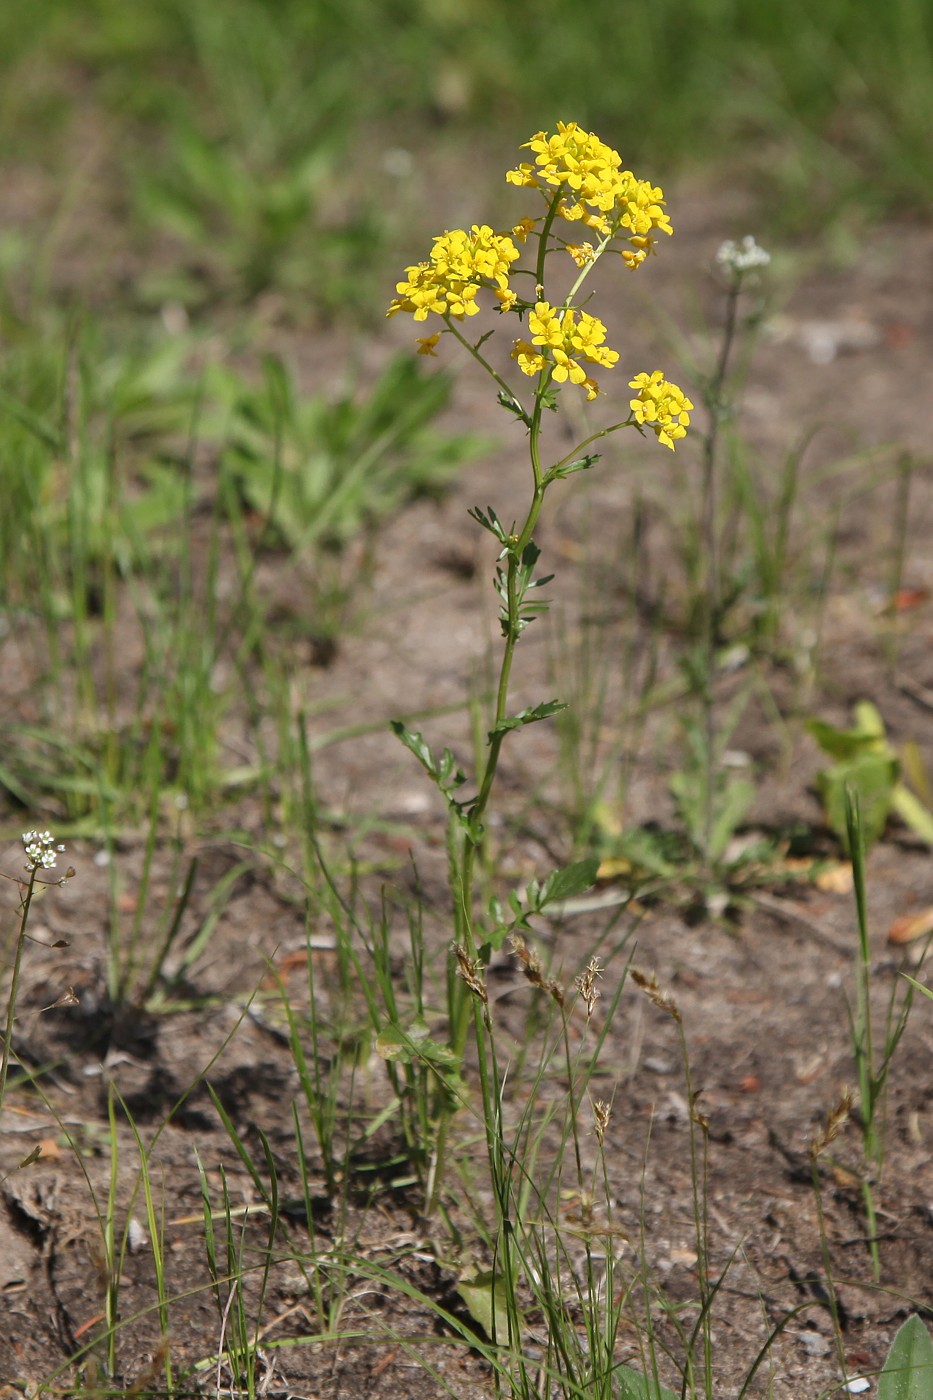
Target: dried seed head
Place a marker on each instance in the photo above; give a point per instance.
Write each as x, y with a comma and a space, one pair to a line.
527, 957
835, 1122
586, 986
68, 998
470, 969
662, 1000
533, 969
601, 1115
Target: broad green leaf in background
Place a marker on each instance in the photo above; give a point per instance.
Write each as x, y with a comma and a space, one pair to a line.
483, 1292
634, 1386
908, 1371
868, 765
321, 470
873, 777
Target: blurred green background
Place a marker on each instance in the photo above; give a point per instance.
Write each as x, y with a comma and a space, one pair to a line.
213, 148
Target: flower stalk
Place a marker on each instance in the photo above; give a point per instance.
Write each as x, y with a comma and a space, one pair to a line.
42, 854
581, 182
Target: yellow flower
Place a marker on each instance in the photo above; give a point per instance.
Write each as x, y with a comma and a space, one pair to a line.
582, 253
546, 324
530, 361
642, 247
460, 265
566, 368
427, 344
662, 406
598, 192
587, 339
565, 339
644, 208
523, 228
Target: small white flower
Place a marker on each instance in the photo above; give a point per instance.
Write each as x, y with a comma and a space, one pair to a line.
744, 256
41, 849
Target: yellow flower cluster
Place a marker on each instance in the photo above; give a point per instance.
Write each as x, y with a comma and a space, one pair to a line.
566, 337
661, 405
461, 263
599, 192
582, 180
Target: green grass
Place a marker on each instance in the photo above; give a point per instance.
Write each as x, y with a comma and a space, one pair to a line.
234, 133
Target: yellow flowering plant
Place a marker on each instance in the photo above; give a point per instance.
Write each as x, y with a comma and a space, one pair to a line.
579, 181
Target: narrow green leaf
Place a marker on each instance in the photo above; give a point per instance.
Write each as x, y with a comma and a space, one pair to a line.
416, 744
581, 464
919, 986
530, 716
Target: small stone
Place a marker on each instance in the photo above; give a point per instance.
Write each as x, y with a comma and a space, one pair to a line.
656, 1065
813, 1343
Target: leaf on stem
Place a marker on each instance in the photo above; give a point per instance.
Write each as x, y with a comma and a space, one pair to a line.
529, 716
444, 771
581, 464
490, 521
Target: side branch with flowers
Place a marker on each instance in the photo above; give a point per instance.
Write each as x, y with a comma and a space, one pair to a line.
579, 181
42, 852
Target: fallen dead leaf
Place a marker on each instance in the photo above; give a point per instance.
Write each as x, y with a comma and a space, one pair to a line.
836, 879
911, 926
811, 1069
289, 962
747, 996
683, 1256
859, 1358
907, 598
385, 1363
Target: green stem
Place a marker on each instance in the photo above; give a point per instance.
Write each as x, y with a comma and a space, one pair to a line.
481, 360
593, 437
466, 845
871, 1219
470, 842
14, 984
711, 583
